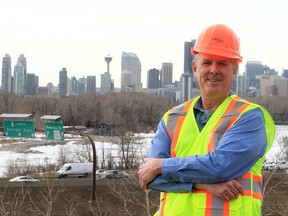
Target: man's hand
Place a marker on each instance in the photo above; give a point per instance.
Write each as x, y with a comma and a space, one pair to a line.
227, 190
149, 170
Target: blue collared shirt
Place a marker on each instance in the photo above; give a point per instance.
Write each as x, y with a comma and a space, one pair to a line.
237, 151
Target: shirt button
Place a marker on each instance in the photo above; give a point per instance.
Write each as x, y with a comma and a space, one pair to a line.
216, 163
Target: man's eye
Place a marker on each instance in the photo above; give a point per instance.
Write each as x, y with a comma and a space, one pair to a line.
223, 63
206, 63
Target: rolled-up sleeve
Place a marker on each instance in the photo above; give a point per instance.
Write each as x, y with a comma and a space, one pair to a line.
160, 148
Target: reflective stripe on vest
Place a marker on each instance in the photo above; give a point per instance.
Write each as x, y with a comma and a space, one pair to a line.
175, 122
252, 183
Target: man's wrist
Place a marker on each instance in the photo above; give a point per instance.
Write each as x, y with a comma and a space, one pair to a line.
198, 186
158, 167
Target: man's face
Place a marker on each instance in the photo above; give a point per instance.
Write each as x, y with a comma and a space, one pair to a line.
215, 74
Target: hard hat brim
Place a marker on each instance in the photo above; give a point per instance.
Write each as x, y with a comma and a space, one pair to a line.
217, 52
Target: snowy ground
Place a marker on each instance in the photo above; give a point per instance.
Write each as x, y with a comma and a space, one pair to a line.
41, 152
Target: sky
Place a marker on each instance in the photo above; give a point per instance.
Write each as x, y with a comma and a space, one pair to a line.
78, 34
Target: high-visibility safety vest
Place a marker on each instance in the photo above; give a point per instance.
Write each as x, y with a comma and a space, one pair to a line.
182, 129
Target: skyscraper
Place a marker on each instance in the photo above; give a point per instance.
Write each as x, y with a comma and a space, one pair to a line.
253, 68
81, 84
107, 84
6, 73
22, 60
91, 84
153, 79
126, 81
284, 73
32, 84
166, 73
188, 80
188, 57
131, 63
63, 82
74, 86
19, 79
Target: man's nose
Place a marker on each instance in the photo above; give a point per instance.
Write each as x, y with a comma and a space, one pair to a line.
214, 69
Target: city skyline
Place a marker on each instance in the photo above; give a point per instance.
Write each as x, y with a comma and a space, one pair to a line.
54, 34
258, 80
100, 77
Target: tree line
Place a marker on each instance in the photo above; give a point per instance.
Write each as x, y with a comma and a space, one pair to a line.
137, 112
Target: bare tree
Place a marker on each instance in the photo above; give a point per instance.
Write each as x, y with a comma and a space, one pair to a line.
46, 199
132, 199
12, 203
130, 146
8, 102
63, 155
273, 181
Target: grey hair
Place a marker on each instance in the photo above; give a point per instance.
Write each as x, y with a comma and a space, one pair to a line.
196, 59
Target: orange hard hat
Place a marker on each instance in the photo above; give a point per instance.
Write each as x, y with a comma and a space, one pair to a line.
218, 40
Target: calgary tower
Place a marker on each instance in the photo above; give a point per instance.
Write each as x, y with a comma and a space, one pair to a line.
108, 59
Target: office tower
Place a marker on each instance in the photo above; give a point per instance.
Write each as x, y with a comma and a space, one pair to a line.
81, 86
69, 86
63, 82
186, 86
131, 63
253, 68
19, 79
126, 81
22, 60
281, 84
267, 85
37, 84
166, 73
108, 59
285, 73
269, 71
91, 84
188, 57
153, 79
50, 87
242, 85
107, 84
43, 90
6, 73
74, 86
188, 81
32, 84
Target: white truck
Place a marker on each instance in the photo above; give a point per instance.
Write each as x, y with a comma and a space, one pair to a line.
75, 170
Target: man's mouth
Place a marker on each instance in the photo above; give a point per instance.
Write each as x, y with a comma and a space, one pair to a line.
213, 80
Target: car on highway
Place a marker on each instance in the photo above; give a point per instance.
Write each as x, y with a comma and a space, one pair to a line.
99, 172
113, 174
282, 165
269, 165
23, 179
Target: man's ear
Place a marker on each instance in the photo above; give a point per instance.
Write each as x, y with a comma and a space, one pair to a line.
235, 69
194, 67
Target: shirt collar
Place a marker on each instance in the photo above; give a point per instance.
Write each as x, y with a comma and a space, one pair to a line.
198, 105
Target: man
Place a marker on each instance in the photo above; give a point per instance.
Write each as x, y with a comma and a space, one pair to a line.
207, 154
